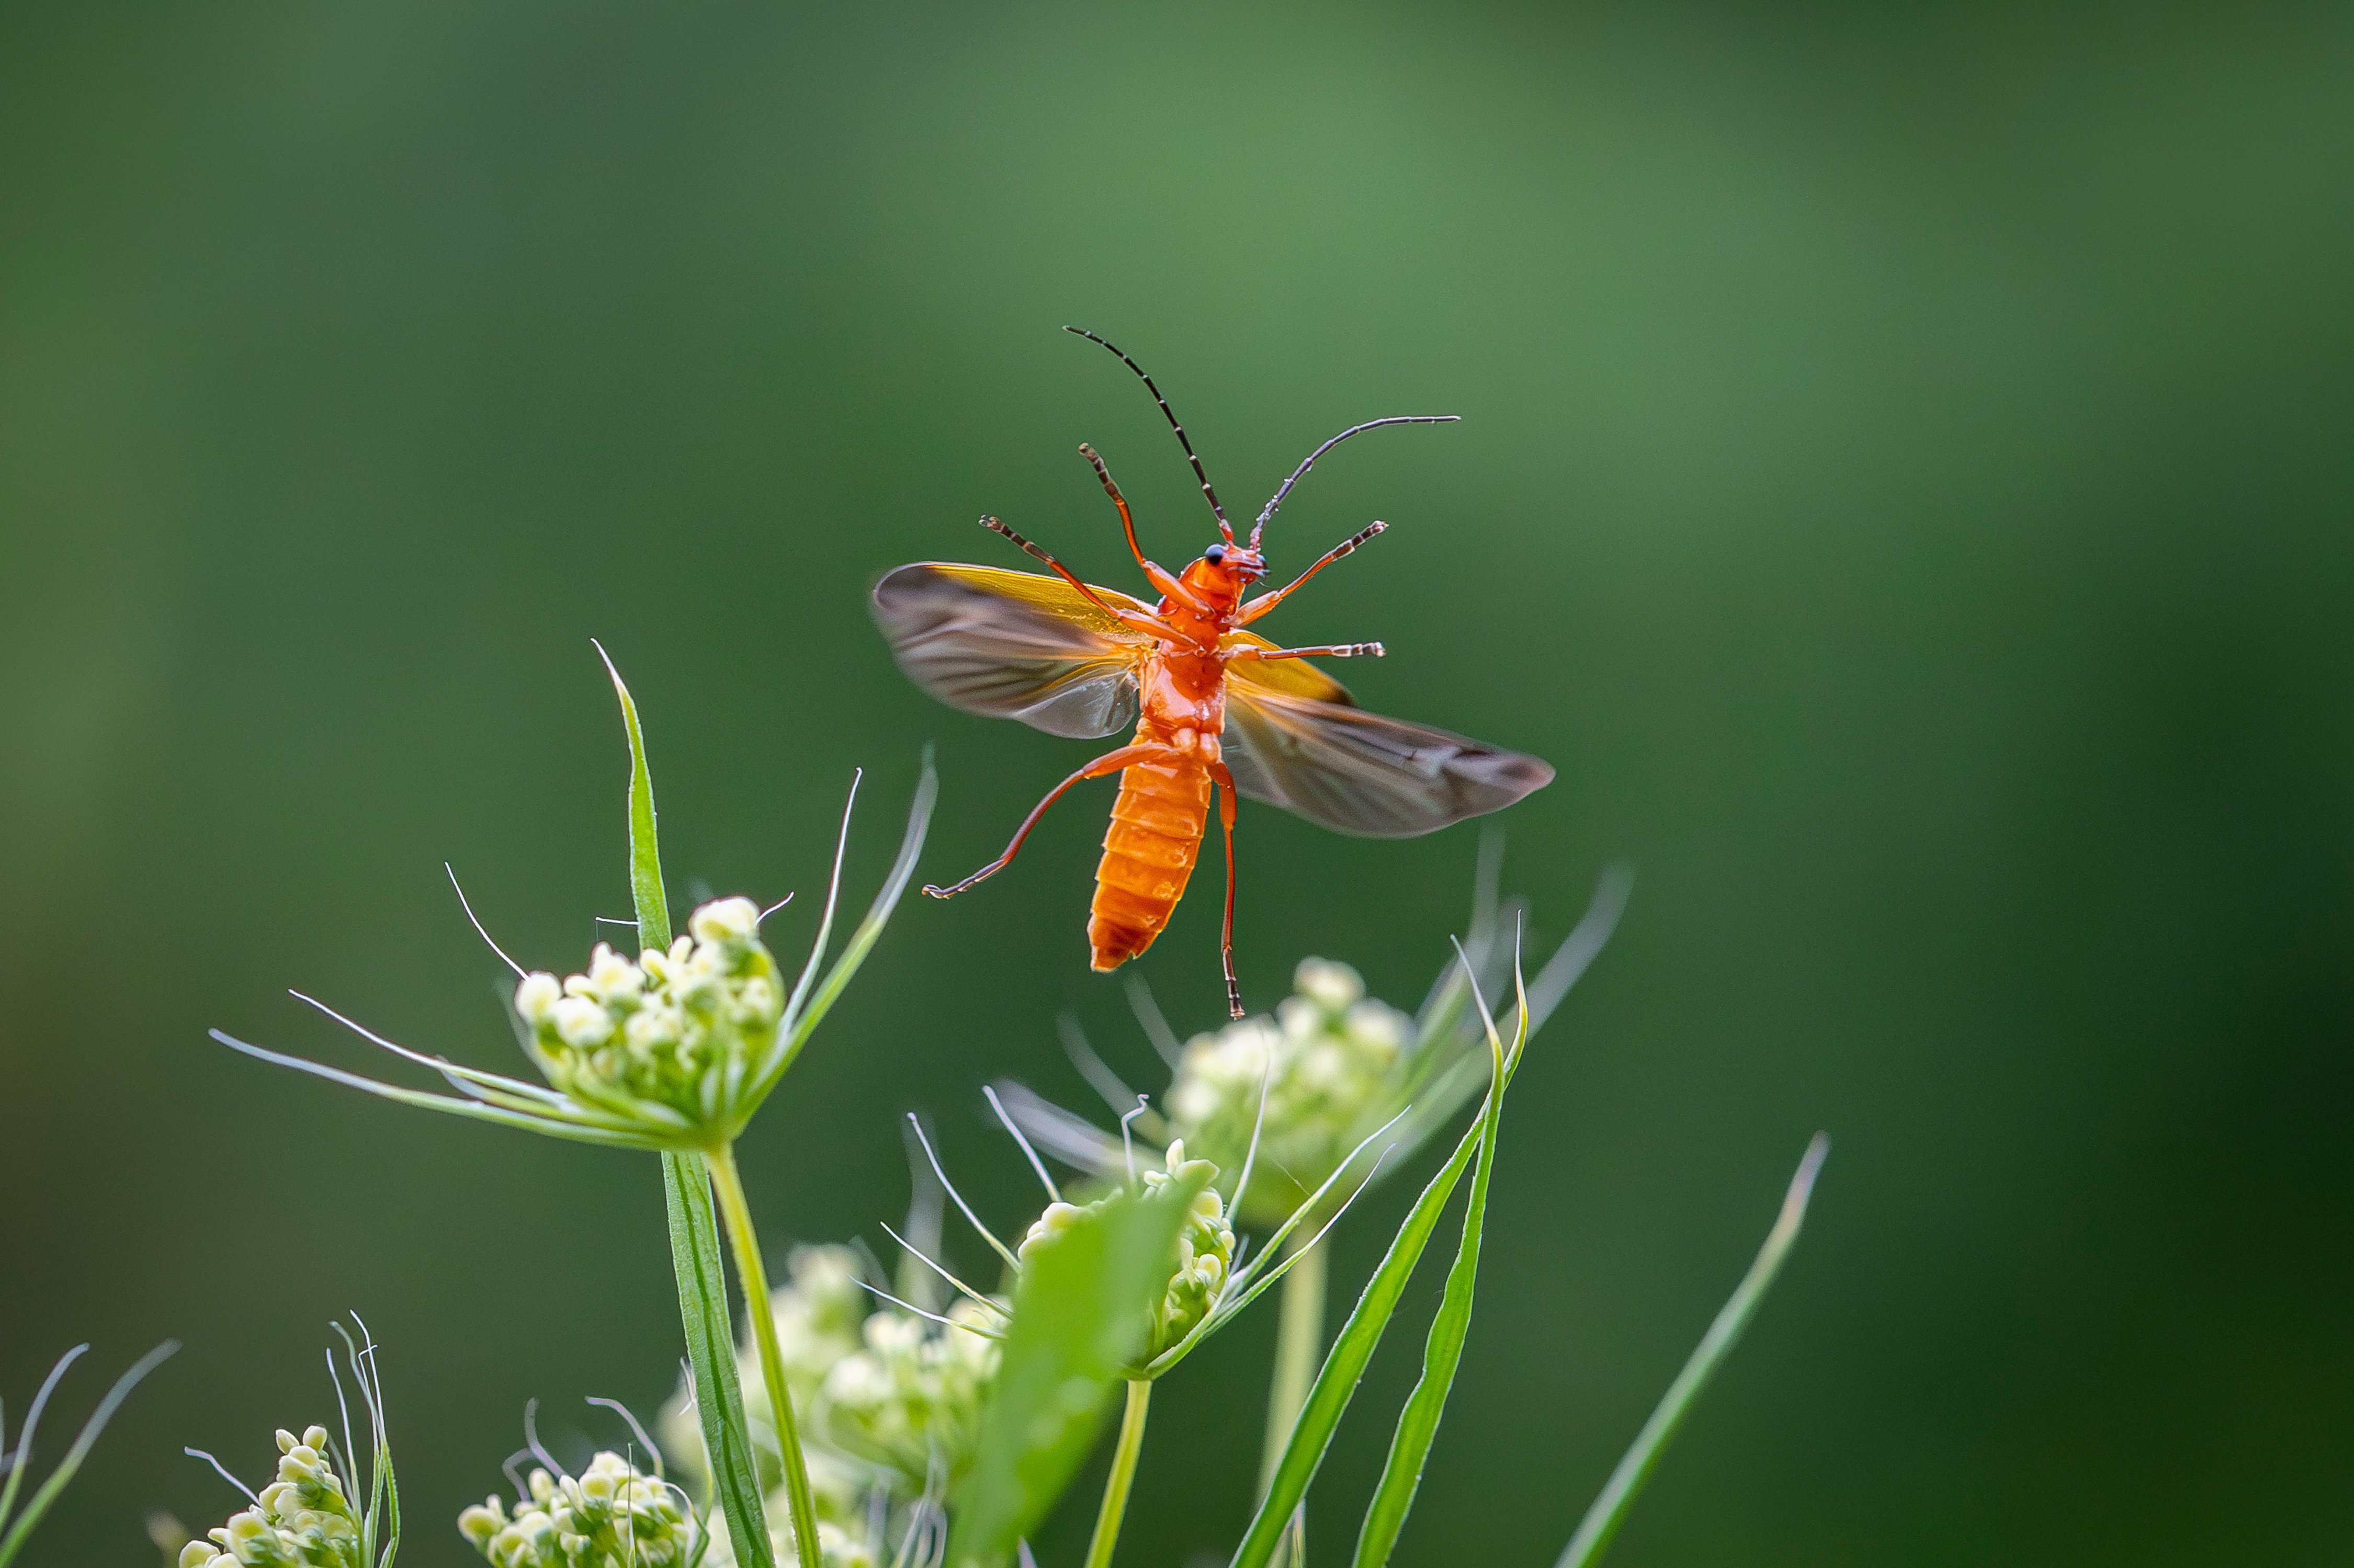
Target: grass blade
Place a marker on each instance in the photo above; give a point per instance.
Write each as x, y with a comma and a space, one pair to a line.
1336, 1383
645, 853
1442, 1353
1312, 1434
38, 1503
1609, 1509
711, 1355
1080, 1314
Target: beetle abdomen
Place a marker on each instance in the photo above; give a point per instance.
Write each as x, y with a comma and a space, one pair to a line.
1156, 832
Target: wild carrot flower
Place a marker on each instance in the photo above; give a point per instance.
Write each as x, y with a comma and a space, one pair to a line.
611, 1515
310, 1516
1205, 1246
1333, 1063
889, 1399
672, 1040
301, 1518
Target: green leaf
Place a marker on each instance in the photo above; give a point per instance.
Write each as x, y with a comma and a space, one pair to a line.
711, 1355
1609, 1509
1336, 1383
38, 1503
1443, 1352
645, 855
1081, 1313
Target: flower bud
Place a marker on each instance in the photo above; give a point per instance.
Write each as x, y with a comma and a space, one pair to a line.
581, 1024
725, 921
536, 997
483, 1522
1047, 1226
1332, 986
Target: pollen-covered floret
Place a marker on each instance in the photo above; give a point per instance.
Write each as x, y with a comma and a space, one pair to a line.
681, 1030
611, 1515
302, 1519
1327, 1058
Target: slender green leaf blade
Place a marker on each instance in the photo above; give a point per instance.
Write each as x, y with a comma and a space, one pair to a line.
645, 853
801, 1022
1336, 1383
1417, 1425
38, 1503
1345, 1362
1080, 1315
1609, 1509
711, 1355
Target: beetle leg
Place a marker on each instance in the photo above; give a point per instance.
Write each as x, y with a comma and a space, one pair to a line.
1154, 572
1322, 651
1267, 601
1152, 626
1109, 762
1225, 782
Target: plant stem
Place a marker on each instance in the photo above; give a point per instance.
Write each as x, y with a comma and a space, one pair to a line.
1123, 1475
754, 1276
1298, 1348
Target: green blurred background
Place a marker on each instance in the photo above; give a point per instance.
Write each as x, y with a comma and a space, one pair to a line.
1904, 486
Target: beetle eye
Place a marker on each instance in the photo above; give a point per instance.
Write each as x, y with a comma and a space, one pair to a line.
1214, 554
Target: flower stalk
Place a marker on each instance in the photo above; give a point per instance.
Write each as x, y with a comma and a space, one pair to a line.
752, 1273
1298, 1349
1123, 1473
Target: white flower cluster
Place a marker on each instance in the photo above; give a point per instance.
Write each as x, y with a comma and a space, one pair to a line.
302, 1518
611, 1515
1206, 1247
683, 1029
1327, 1057
911, 1391
879, 1393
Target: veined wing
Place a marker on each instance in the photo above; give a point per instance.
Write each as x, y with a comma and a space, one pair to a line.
1013, 645
1355, 772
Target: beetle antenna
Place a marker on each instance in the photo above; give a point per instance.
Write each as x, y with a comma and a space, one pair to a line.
1258, 527
1210, 495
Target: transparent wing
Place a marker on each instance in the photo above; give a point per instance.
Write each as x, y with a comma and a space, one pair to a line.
1355, 772
1012, 645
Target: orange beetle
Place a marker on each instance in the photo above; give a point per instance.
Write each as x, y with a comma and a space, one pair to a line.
1216, 709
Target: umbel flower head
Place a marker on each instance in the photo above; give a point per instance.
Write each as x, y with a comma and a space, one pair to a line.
308, 1516
890, 1397
301, 1519
676, 1037
1326, 1059
1209, 1286
675, 1049
611, 1515
1206, 1247
1312, 1083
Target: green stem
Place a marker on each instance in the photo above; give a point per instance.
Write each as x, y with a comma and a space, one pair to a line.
1298, 1348
1123, 1475
754, 1275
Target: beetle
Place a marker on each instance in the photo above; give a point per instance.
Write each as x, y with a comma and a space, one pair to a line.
1219, 711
